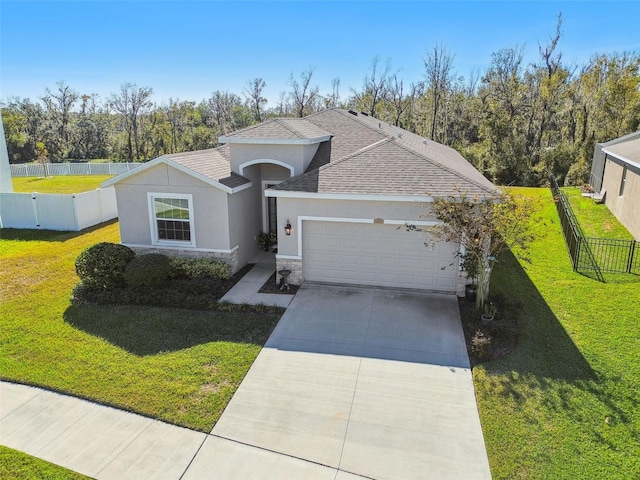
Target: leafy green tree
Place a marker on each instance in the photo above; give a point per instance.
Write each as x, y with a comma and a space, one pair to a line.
484, 227
92, 126
20, 145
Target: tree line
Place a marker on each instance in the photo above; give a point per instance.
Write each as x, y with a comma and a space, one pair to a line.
516, 122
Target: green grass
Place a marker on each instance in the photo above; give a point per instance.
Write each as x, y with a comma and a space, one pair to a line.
596, 220
181, 366
564, 404
16, 465
58, 184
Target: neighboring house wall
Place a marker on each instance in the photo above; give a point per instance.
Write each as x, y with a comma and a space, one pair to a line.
210, 210
597, 167
297, 156
625, 207
599, 159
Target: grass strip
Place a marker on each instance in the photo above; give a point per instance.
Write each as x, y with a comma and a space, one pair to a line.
15, 465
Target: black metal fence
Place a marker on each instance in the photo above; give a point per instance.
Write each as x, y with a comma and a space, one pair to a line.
594, 255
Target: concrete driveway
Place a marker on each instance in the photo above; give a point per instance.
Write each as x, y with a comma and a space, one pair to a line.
354, 382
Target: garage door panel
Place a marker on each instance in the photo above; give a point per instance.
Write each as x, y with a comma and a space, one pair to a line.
373, 254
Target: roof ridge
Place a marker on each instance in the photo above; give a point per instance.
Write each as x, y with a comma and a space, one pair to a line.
358, 152
218, 149
442, 165
362, 122
336, 162
280, 121
250, 127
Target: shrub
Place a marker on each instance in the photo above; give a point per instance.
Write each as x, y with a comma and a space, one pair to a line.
481, 345
147, 270
103, 264
183, 267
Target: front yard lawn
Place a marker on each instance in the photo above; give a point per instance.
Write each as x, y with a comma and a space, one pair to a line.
59, 184
564, 403
181, 366
15, 465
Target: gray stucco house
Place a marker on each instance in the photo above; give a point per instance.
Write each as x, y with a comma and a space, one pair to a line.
345, 183
615, 175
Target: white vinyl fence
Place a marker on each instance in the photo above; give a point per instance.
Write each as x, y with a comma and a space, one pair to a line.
47, 211
53, 169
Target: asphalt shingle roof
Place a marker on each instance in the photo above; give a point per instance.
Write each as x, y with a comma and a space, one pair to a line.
280, 129
364, 156
212, 163
627, 150
386, 168
358, 137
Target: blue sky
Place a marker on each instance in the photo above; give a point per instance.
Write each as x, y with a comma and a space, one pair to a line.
187, 50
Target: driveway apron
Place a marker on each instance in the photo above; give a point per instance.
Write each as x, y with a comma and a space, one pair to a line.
354, 382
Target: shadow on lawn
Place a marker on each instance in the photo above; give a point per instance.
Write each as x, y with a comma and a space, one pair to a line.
151, 330
546, 358
33, 235
545, 350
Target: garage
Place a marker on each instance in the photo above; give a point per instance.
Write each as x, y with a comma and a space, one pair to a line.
376, 254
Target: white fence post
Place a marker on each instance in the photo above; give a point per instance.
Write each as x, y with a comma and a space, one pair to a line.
34, 203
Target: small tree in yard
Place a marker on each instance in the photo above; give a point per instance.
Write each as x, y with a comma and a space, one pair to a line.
43, 156
484, 227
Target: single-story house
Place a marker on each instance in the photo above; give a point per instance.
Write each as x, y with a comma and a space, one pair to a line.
336, 188
615, 174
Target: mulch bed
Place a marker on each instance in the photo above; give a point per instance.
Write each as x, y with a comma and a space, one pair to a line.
502, 332
270, 286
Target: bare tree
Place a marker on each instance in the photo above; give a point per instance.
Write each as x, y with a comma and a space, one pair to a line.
438, 70
374, 87
131, 103
221, 108
302, 95
253, 95
333, 100
58, 108
397, 99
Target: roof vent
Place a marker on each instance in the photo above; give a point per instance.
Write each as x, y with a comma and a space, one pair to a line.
400, 135
352, 112
365, 114
425, 142
380, 125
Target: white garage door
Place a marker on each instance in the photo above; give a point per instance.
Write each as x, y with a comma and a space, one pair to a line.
376, 254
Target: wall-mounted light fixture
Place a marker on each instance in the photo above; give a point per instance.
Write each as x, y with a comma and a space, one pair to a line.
287, 228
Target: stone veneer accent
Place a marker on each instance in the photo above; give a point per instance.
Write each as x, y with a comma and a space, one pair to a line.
292, 264
230, 258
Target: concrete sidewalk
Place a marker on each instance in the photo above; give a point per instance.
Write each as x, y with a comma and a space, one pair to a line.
110, 444
98, 441
246, 290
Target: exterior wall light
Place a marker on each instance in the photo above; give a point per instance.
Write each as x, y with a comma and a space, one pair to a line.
287, 228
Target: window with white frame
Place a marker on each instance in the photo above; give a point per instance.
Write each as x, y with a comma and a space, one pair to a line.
171, 218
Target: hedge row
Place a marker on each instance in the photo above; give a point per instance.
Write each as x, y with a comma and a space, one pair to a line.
109, 265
